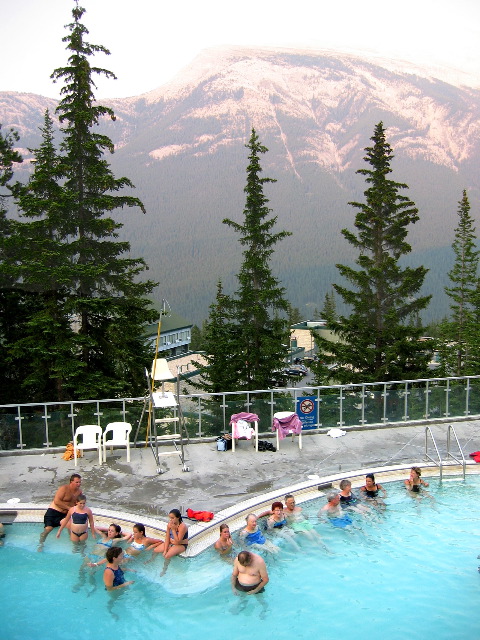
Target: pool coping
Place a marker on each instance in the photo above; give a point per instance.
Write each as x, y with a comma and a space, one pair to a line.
204, 534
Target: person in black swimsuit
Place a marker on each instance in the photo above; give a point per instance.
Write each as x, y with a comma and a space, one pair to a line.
81, 516
371, 488
415, 482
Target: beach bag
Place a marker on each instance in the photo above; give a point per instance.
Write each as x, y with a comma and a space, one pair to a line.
221, 444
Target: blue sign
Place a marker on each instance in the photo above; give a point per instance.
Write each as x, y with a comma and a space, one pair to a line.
307, 411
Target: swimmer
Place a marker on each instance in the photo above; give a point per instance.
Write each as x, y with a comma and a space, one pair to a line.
298, 522
371, 488
64, 498
81, 516
334, 511
176, 539
140, 541
2, 534
113, 577
249, 574
277, 522
224, 545
415, 482
110, 537
252, 535
347, 499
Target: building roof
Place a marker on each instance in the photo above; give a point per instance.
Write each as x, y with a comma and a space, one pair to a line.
172, 322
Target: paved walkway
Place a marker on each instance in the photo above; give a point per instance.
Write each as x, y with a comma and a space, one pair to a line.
218, 480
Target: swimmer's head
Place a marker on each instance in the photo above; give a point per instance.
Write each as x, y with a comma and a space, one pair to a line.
81, 498
333, 497
139, 528
224, 526
345, 484
76, 479
245, 558
115, 530
251, 518
113, 552
277, 505
416, 470
289, 500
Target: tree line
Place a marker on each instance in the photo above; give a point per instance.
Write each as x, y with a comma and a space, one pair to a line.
74, 304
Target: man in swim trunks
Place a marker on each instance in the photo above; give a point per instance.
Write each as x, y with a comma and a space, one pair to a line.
298, 522
63, 500
249, 573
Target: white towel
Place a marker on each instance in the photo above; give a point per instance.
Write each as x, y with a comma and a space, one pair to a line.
336, 433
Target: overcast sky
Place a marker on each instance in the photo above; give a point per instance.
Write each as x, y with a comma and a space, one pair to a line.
151, 40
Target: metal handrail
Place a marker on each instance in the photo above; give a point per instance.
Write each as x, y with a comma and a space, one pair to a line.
427, 456
450, 454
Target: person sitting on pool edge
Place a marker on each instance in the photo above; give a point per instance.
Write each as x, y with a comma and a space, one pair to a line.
252, 535
113, 577
415, 482
176, 539
224, 545
249, 573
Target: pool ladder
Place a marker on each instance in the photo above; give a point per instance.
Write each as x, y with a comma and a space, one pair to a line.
440, 462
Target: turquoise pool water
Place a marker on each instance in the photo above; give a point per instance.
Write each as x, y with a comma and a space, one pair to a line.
409, 571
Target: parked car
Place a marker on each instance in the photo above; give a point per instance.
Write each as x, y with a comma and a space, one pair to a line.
293, 372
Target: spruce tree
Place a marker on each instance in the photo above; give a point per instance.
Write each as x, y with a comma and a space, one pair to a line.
259, 309
459, 332
378, 340
92, 288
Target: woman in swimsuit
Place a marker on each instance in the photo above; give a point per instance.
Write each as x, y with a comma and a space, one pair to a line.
176, 539
224, 545
81, 516
113, 577
277, 522
110, 537
371, 488
415, 482
140, 541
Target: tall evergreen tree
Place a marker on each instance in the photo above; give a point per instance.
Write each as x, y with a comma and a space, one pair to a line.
378, 340
92, 295
329, 309
459, 332
259, 306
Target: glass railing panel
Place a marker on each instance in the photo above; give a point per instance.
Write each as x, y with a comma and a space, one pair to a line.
373, 404
457, 398
474, 398
329, 408
9, 434
395, 403
437, 404
352, 407
33, 428
417, 402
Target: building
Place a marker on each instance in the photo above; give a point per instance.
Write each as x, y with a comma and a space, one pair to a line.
175, 335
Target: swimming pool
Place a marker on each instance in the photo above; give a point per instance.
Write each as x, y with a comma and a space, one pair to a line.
410, 571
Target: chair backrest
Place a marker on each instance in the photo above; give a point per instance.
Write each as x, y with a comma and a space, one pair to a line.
120, 432
91, 435
160, 370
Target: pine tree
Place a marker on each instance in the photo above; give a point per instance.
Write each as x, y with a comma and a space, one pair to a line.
329, 310
461, 328
14, 304
378, 340
91, 280
259, 308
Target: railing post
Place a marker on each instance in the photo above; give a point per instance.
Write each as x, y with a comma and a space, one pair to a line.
384, 394
447, 399
340, 408
45, 417
19, 419
427, 408
467, 399
405, 403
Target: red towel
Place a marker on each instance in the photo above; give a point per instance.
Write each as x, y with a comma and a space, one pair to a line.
203, 516
475, 455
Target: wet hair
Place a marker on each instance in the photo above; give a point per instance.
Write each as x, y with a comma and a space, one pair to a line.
81, 496
74, 476
177, 514
371, 476
223, 526
277, 505
249, 515
118, 530
289, 495
245, 558
113, 552
345, 483
139, 527
331, 496
417, 470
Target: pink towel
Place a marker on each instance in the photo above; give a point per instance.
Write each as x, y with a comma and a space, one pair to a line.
284, 426
238, 429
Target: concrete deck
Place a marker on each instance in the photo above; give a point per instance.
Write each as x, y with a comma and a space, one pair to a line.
219, 480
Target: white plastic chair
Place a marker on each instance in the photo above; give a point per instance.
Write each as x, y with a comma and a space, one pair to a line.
120, 437
91, 435
280, 415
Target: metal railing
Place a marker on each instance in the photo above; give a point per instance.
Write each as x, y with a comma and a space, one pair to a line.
52, 424
449, 455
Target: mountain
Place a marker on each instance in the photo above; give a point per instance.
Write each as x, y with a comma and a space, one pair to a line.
183, 147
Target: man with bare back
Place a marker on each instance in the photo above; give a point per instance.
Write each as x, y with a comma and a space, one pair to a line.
64, 498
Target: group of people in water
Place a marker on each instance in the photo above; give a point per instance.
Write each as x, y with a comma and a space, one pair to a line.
68, 510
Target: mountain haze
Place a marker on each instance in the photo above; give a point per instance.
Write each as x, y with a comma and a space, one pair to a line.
183, 147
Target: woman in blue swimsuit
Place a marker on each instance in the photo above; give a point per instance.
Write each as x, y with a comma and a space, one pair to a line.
77, 520
113, 577
277, 523
176, 539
